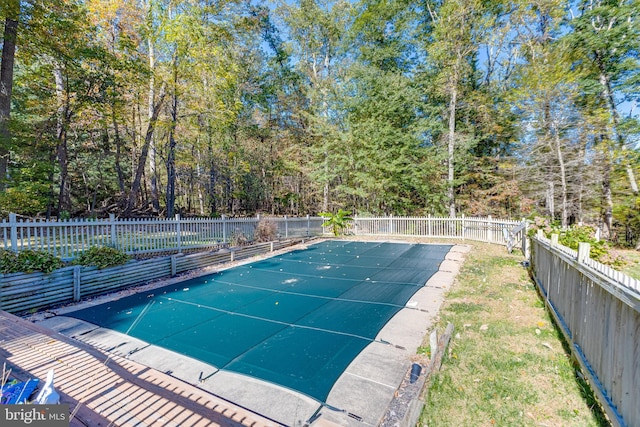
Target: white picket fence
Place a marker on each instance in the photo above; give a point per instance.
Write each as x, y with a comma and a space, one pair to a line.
598, 310
67, 239
485, 229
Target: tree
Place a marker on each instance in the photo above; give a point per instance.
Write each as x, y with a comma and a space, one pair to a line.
318, 27
607, 35
456, 25
12, 17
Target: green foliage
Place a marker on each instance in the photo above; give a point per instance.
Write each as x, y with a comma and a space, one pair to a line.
336, 221
627, 222
571, 237
28, 199
309, 105
28, 261
102, 257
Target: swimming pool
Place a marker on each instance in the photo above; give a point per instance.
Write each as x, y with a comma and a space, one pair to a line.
296, 320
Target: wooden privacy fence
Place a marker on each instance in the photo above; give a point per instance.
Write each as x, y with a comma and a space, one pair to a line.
22, 292
67, 239
598, 310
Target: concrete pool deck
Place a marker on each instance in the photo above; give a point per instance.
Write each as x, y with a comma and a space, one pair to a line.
360, 397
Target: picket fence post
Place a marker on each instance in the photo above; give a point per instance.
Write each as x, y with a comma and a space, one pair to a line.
355, 225
179, 243
462, 227
286, 227
114, 240
13, 222
583, 252
224, 229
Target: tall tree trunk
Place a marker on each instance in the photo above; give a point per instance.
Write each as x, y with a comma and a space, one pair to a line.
171, 156
451, 147
62, 115
607, 194
551, 198
607, 94
6, 85
557, 147
119, 171
155, 200
213, 177
325, 187
144, 151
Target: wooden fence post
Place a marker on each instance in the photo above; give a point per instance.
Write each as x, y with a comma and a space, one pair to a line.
13, 223
489, 229
583, 252
554, 240
525, 241
178, 233
355, 225
462, 226
286, 229
114, 239
174, 265
224, 229
77, 270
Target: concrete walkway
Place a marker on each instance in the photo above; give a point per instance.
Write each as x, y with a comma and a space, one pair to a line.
359, 397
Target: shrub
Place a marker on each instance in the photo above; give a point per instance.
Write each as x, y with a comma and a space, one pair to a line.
571, 237
28, 261
8, 261
336, 221
102, 257
266, 231
238, 238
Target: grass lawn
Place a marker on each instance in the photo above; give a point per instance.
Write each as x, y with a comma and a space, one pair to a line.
632, 262
506, 364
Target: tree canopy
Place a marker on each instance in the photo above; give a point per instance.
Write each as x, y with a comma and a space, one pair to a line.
396, 107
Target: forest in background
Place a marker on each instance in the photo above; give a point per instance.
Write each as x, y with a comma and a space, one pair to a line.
384, 107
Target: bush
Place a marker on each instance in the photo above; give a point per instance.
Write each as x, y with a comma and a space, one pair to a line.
338, 221
266, 231
28, 261
571, 237
238, 238
102, 257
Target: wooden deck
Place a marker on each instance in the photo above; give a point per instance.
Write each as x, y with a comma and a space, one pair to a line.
107, 390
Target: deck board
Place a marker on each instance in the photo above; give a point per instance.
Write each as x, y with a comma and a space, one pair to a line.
109, 389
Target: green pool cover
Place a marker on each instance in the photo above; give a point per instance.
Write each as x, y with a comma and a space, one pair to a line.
297, 320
